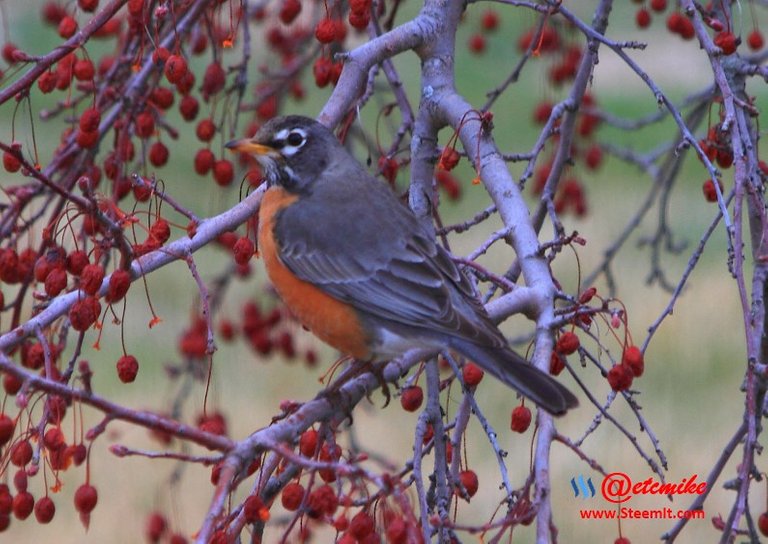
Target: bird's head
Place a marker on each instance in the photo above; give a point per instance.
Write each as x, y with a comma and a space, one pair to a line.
291, 150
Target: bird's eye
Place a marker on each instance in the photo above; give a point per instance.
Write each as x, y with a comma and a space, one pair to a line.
295, 138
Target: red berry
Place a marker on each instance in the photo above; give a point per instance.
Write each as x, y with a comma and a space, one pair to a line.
594, 157
89, 6
55, 282
145, 124
308, 443
86, 498
321, 70
361, 525
135, 7
53, 439
449, 158
469, 481
119, 282
76, 262
448, 183
762, 523
23, 504
710, 193
90, 120
223, 172
206, 130
755, 40
91, 278
87, 140
322, 501
7, 427
6, 500
11, 384
633, 358
127, 368
587, 295
521, 419
556, 363
53, 13
20, 480
724, 158
254, 510
189, 108
44, 510
204, 160
325, 32
84, 70
21, 453
622, 540
11, 53
158, 154
359, 6
490, 20
67, 27
160, 55
542, 111
567, 343
476, 43
175, 68
84, 313
411, 398
289, 11
9, 266
726, 41
156, 527
472, 374
11, 162
292, 495
162, 97
359, 20
658, 5
683, 26
160, 230
620, 377
213, 80
47, 82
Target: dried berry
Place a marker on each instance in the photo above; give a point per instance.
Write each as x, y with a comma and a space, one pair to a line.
411, 398
292, 495
127, 368
521, 419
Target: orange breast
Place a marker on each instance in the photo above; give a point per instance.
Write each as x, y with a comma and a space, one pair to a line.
330, 320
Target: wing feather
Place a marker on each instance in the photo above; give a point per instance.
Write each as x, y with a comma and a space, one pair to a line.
386, 266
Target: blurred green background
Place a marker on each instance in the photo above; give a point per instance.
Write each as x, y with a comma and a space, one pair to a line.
689, 393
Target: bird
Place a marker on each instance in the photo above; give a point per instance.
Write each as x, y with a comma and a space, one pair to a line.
357, 268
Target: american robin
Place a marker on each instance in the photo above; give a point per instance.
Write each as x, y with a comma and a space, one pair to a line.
358, 269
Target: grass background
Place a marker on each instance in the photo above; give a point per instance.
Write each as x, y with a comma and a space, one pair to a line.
689, 393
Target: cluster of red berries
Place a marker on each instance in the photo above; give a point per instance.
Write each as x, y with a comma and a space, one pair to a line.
680, 24
18, 453
565, 57
266, 332
643, 17
489, 23
321, 502
632, 365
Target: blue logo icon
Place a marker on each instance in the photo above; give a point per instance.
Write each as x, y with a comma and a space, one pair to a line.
583, 488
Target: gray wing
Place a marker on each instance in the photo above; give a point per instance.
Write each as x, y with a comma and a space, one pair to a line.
379, 260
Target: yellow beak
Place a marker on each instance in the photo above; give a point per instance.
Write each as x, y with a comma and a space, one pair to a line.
249, 146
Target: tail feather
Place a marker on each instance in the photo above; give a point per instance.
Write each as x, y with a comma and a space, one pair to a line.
516, 372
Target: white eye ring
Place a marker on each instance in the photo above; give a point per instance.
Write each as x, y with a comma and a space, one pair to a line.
291, 140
